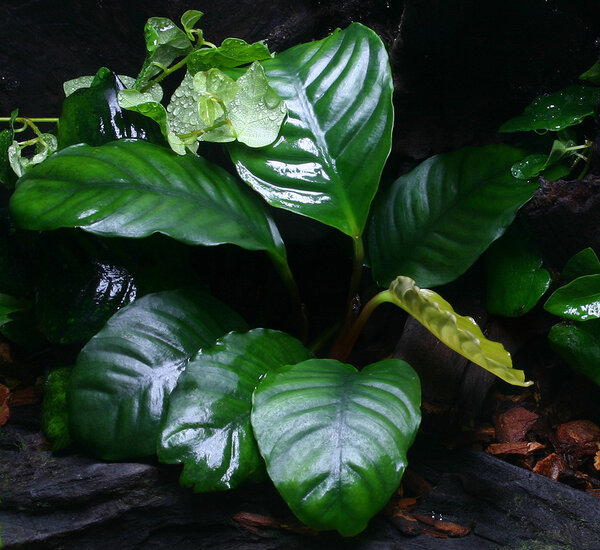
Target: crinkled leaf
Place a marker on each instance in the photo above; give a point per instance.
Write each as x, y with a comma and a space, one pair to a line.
233, 52
434, 222
55, 417
334, 439
256, 112
530, 167
207, 426
579, 346
556, 111
333, 145
124, 374
93, 115
132, 188
459, 333
585, 262
44, 147
188, 20
516, 279
578, 300
165, 42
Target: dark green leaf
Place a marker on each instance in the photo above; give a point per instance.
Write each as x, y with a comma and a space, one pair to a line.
592, 75
515, 277
8, 305
55, 418
134, 189
93, 115
579, 300
165, 42
125, 373
556, 111
334, 439
207, 426
530, 167
78, 287
434, 222
328, 159
585, 262
233, 52
579, 346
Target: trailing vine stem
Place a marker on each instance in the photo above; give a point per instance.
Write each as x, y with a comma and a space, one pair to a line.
29, 122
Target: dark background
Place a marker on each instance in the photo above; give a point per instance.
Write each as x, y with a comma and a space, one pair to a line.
461, 67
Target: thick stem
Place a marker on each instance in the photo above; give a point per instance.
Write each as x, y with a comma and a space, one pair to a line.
285, 273
343, 346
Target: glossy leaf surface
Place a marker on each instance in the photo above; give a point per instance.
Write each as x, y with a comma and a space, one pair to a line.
585, 262
207, 426
327, 162
579, 346
556, 111
516, 279
133, 189
334, 439
93, 115
578, 300
434, 222
459, 333
125, 373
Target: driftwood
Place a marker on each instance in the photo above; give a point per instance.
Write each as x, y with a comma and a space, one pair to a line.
75, 502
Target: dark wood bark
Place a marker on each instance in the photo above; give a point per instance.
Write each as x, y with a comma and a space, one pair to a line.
54, 502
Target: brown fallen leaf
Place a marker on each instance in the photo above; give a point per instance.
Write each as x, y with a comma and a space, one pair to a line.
520, 448
442, 527
513, 424
551, 466
405, 523
578, 438
597, 460
4, 408
415, 482
253, 521
26, 396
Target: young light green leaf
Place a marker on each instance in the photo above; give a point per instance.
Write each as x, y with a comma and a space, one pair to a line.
207, 426
165, 42
215, 91
132, 188
233, 52
124, 375
188, 20
145, 104
333, 145
556, 111
579, 346
334, 439
459, 333
55, 417
585, 262
515, 277
434, 222
45, 145
578, 300
256, 112
71, 86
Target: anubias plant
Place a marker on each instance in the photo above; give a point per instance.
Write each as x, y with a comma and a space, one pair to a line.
177, 373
